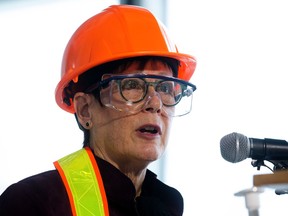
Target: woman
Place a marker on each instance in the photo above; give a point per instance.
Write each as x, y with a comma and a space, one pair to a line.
124, 80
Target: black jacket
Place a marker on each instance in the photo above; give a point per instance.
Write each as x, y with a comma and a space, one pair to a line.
45, 195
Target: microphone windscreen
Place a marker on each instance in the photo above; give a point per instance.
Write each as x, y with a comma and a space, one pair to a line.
234, 147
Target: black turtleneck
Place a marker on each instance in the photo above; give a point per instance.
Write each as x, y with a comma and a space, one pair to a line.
44, 194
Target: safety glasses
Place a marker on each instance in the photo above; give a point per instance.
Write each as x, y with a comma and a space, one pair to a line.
131, 93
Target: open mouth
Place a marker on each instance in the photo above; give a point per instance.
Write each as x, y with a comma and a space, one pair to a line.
150, 129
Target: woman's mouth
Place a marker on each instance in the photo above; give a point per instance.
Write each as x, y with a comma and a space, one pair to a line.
150, 129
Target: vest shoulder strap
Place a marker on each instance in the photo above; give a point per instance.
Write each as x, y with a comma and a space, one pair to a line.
83, 183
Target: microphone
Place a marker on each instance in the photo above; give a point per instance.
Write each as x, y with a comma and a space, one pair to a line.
236, 147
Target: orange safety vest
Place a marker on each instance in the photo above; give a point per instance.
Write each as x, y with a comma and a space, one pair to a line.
83, 183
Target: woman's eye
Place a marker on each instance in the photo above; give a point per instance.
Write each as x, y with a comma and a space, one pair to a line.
130, 84
166, 88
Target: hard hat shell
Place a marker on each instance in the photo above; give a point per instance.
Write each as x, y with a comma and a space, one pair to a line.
118, 32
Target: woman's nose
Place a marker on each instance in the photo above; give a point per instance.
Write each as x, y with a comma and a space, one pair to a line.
153, 102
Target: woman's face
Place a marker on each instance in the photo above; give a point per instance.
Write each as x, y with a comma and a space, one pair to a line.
135, 140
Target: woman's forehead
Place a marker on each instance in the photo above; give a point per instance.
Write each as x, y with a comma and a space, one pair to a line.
150, 67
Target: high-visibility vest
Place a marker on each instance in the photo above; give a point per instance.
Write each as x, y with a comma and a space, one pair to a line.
83, 183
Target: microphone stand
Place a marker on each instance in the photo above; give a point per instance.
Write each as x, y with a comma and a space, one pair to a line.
276, 180
251, 200
279, 165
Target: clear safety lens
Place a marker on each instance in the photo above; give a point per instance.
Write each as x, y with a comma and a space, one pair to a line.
130, 93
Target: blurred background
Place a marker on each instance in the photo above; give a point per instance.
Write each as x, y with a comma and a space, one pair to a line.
241, 78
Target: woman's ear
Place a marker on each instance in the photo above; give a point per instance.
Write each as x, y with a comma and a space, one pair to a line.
82, 103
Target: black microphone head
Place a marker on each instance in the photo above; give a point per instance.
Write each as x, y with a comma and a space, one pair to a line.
235, 147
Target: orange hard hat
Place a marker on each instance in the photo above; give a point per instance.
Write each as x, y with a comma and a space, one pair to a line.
118, 32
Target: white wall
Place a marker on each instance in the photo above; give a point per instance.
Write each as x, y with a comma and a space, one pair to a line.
242, 53
241, 47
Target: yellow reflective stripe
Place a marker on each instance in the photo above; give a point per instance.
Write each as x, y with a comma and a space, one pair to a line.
79, 174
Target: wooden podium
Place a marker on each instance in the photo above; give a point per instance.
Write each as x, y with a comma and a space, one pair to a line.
277, 180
